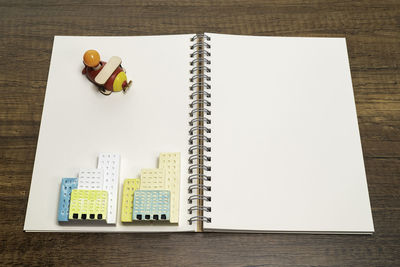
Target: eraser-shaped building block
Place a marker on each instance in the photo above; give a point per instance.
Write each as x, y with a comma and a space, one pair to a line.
151, 205
67, 185
171, 162
88, 205
91, 179
152, 179
130, 186
110, 164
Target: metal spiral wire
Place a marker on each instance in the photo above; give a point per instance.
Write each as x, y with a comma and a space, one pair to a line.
199, 161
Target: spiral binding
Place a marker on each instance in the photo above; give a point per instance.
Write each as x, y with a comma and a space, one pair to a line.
200, 125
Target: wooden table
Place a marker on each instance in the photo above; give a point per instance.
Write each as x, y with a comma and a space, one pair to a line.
372, 29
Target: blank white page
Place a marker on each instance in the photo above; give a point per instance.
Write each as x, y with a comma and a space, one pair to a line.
286, 151
78, 122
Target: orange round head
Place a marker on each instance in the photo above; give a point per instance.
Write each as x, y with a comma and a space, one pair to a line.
91, 58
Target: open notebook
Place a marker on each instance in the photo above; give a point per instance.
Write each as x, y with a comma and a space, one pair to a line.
265, 129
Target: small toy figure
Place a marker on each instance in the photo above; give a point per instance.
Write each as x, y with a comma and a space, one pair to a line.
108, 76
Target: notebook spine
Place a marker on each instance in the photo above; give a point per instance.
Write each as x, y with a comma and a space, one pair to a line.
200, 128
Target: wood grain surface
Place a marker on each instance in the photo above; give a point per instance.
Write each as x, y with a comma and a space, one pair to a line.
372, 29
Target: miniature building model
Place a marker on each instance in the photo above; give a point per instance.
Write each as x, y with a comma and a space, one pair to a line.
155, 195
94, 194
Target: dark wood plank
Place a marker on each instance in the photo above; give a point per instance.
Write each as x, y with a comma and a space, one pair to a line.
372, 29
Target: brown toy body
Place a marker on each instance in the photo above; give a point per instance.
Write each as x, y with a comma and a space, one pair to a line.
91, 73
